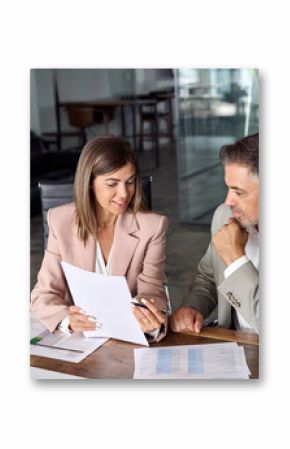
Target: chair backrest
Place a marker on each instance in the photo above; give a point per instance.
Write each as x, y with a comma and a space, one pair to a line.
56, 193
53, 194
81, 117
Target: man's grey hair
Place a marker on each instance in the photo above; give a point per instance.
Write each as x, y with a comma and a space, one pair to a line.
244, 152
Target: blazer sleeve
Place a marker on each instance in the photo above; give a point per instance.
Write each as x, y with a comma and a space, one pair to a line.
49, 298
152, 279
203, 294
241, 289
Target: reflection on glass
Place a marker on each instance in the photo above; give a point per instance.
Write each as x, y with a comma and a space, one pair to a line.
214, 107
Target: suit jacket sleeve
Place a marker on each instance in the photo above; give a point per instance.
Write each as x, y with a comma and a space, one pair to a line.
151, 280
241, 289
203, 294
49, 298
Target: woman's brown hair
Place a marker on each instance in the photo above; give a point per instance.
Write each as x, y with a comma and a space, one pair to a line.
99, 156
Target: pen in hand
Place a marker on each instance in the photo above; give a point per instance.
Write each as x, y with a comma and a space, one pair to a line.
140, 304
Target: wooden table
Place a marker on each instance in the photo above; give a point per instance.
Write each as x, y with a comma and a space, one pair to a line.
115, 359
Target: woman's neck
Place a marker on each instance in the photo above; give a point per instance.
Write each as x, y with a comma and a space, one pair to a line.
106, 221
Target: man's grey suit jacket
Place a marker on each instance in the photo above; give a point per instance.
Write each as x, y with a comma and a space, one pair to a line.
213, 295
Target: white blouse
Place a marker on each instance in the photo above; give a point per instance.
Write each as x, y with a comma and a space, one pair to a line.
101, 267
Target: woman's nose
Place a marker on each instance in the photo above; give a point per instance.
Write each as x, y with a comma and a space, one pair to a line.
122, 190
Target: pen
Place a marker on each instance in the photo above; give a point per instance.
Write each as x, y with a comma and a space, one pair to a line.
138, 304
57, 347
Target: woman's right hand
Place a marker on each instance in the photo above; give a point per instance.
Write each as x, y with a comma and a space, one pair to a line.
80, 322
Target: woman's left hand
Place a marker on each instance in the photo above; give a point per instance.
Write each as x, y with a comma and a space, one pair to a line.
150, 317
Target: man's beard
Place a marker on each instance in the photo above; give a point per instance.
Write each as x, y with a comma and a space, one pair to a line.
243, 222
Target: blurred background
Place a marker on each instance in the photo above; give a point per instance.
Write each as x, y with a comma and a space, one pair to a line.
176, 120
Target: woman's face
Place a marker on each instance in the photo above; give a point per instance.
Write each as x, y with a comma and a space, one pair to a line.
114, 191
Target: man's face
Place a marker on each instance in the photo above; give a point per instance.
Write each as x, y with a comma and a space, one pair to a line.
243, 194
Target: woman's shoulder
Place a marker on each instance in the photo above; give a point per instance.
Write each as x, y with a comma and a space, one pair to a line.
151, 220
61, 215
150, 216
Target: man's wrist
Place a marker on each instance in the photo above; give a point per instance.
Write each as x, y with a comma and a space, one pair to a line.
235, 266
228, 260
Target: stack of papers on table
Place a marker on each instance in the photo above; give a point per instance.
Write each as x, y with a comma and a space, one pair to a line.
209, 361
59, 345
108, 298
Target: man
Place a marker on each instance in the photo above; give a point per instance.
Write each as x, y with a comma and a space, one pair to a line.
226, 289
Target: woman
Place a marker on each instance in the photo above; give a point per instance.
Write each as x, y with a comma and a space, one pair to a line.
106, 230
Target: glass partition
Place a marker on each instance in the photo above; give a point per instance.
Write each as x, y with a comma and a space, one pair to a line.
214, 107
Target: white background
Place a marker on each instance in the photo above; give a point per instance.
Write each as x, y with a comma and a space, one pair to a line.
144, 34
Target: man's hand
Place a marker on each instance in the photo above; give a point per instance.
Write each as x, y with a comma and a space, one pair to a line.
230, 241
186, 319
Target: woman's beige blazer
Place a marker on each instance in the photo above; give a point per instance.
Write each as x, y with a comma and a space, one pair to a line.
138, 254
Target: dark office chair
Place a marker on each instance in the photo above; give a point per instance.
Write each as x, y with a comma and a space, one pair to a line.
56, 193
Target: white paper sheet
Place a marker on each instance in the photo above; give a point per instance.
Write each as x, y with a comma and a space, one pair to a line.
209, 361
44, 374
62, 346
107, 298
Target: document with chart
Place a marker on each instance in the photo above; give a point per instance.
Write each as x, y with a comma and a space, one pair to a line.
209, 361
59, 345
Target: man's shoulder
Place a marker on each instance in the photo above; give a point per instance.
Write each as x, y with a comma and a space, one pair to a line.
220, 217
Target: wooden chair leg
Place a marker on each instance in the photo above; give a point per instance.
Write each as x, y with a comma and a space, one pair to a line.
168, 130
153, 131
84, 136
106, 120
141, 141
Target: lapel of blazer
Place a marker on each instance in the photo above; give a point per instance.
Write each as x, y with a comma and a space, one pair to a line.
86, 254
125, 243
